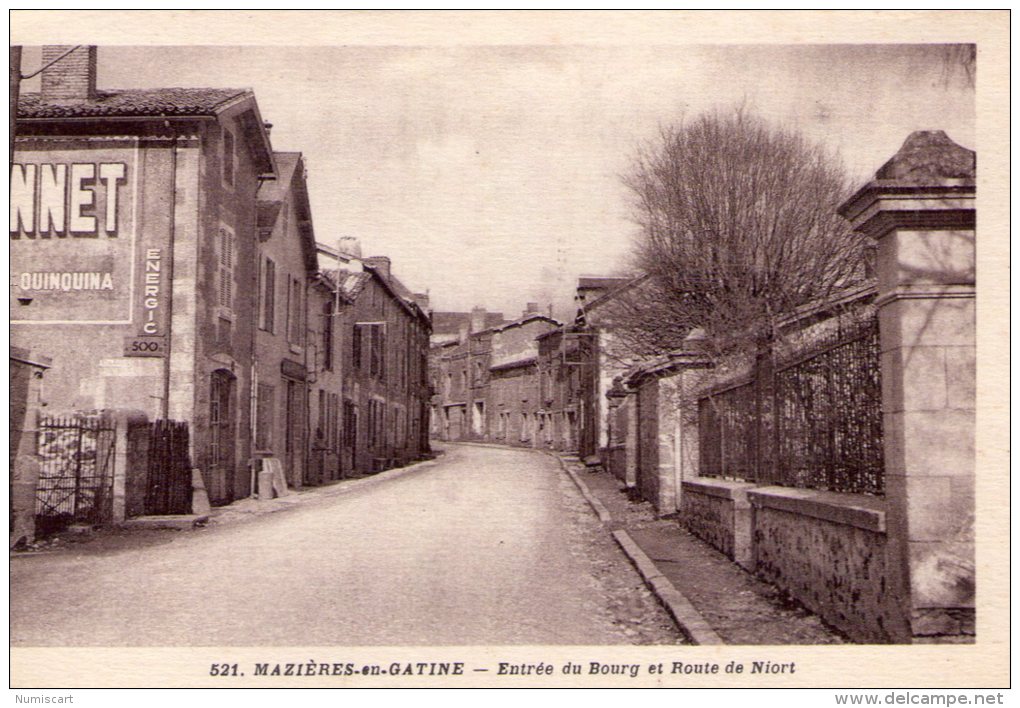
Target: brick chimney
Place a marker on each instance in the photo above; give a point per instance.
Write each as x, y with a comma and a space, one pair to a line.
71, 79
531, 309
380, 264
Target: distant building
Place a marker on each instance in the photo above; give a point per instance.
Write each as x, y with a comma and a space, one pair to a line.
560, 370
485, 383
455, 326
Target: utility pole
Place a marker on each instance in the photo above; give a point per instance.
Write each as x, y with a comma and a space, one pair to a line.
15, 72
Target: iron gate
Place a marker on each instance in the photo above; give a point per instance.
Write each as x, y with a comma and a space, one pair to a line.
75, 483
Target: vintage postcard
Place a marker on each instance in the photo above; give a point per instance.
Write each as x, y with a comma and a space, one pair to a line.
506, 349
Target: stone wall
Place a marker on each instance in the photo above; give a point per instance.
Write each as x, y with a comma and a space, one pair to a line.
829, 552
717, 511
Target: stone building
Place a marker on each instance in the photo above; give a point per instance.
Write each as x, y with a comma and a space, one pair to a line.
157, 233
456, 326
286, 362
382, 353
560, 371
134, 252
482, 380
594, 298
514, 405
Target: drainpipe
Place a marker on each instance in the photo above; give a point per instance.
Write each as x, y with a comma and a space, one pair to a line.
170, 273
253, 375
307, 437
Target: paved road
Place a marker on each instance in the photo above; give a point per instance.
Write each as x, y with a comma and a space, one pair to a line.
487, 546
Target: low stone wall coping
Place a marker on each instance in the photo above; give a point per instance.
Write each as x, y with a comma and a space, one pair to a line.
722, 488
860, 510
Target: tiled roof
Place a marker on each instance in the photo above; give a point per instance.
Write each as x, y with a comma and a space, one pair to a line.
351, 284
586, 282
133, 102
519, 359
450, 322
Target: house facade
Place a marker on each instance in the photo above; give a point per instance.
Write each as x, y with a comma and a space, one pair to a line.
288, 357
598, 367
163, 259
382, 349
559, 372
133, 236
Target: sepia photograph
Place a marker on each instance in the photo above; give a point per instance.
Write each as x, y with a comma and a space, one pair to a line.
519, 358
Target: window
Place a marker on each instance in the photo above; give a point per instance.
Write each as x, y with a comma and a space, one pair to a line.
327, 336
322, 428
228, 158
379, 350
356, 346
350, 424
225, 268
376, 423
265, 407
267, 313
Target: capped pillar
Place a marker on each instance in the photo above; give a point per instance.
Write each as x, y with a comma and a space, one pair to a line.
920, 211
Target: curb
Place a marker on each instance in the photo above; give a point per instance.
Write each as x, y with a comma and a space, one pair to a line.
229, 516
686, 616
338, 489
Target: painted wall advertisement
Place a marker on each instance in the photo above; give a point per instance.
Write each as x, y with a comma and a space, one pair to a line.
77, 256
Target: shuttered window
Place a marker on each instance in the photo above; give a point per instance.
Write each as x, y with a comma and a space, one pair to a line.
225, 269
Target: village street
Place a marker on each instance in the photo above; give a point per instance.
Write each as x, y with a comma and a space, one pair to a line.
485, 546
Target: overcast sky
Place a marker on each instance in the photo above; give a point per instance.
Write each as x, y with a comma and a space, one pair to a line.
490, 175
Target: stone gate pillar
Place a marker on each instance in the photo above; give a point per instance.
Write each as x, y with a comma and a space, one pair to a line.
26, 379
920, 210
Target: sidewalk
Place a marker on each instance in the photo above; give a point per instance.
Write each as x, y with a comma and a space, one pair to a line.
118, 537
252, 506
712, 593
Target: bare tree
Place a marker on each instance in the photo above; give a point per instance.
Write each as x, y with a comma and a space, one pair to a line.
738, 228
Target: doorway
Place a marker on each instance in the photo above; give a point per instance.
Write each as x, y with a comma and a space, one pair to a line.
222, 426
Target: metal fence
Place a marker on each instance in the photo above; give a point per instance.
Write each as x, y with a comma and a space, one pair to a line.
811, 420
76, 456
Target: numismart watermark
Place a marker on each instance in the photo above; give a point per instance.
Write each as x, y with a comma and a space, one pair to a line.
919, 698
